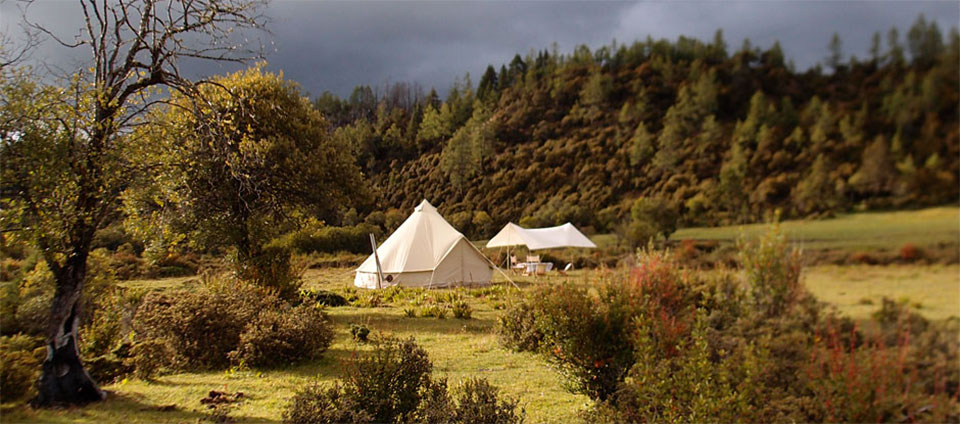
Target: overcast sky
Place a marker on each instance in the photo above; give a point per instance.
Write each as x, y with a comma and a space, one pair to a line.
335, 46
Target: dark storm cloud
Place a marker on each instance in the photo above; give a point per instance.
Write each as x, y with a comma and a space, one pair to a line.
334, 46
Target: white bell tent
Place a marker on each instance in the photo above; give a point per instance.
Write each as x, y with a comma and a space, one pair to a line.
425, 251
565, 235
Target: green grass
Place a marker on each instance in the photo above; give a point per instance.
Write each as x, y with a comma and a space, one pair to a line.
867, 230
458, 348
933, 290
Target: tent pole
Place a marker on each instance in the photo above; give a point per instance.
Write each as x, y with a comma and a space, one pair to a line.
373, 244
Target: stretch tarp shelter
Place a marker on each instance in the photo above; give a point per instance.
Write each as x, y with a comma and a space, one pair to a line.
425, 251
565, 235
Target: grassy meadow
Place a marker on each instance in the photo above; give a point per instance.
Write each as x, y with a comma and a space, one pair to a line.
857, 231
462, 348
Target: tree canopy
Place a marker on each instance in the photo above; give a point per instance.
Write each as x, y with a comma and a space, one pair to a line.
238, 163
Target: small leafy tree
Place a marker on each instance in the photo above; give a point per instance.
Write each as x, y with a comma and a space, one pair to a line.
239, 165
651, 217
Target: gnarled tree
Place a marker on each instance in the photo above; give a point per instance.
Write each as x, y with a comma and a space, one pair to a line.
63, 148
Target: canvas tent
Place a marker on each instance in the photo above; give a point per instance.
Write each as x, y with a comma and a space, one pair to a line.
425, 251
565, 235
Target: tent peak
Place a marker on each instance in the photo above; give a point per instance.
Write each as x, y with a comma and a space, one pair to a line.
425, 206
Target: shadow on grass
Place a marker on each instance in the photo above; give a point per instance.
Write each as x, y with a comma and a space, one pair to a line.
390, 320
118, 407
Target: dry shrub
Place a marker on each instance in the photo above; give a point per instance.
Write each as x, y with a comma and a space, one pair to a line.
283, 336
910, 252
227, 320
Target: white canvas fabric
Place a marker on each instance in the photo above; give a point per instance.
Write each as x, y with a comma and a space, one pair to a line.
426, 251
565, 235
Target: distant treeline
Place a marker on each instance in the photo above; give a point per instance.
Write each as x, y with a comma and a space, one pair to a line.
721, 137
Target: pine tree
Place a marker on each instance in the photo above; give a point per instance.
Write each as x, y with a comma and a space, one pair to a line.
816, 192
835, 58
718, 49
487, 89
710, 137
641, 145
894, 48
876, 171
733, 175
774, 56
457, 160
875, 48
684, 118
597, 89
433, 128
916, 39
463, 156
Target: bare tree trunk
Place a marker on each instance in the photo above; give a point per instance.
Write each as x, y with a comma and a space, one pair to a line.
64, 380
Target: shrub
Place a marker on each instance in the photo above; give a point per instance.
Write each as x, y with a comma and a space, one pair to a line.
148, 357
324, 239
323, 297
436, 405
124, 264
588, 337
32, 314
20, 358
638, 233
389, 381
107, 368
895, 317
226, 322
773, 272
385, 386
283, 335
360, 332
202, 326
909, 252
111, 237
659, 346
319, 404
684, 387
872, 382
104, 331
394, 384
273, 267
462, 310
479, 402
517, 327
862, 258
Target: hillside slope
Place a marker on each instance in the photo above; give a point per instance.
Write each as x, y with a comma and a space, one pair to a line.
722, 138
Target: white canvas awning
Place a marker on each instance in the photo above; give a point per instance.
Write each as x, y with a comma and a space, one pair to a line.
565, 235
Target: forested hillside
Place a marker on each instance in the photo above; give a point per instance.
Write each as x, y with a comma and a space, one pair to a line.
719, 136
